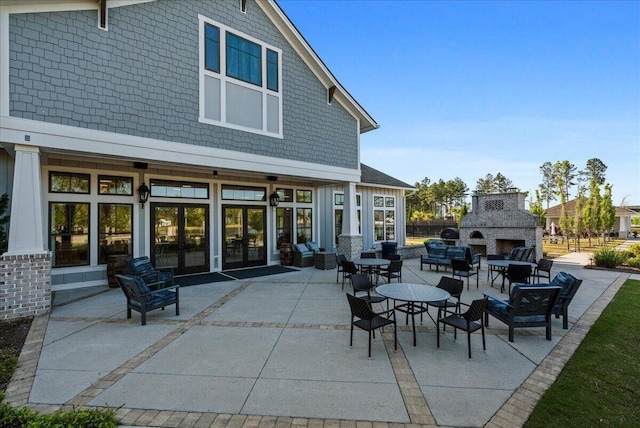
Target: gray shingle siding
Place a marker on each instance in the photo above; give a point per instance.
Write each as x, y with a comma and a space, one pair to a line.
141, 78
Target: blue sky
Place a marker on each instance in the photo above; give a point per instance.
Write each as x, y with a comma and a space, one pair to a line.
464, 88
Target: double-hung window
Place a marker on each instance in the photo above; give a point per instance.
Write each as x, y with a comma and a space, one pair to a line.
240, 80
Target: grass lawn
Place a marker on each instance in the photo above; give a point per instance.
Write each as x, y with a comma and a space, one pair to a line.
600, 385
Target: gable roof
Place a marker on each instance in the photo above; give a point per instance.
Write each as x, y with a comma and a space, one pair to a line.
371, 176
570, 207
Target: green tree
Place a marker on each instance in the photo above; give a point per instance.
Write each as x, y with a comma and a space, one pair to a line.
548, 186
537, 209
565, 173
486, 184
578, 221
591, 213
595, 169
607, 209
565, 221
502, 183
4, 220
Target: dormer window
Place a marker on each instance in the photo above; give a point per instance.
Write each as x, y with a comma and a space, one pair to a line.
240, 84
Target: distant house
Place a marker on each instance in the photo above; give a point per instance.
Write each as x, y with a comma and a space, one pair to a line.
203, 134
622, 226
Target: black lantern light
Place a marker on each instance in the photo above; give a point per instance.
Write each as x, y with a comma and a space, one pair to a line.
143, 194
274, 199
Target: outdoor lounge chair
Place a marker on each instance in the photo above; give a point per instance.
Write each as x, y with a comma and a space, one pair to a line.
569, 285
142, 267
528, 306
141, 298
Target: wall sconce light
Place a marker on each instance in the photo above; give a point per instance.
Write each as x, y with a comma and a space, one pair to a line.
143, 194
215, 174
274, 199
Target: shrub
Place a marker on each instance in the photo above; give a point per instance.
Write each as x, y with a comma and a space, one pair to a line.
12, 417
634, 250
609, 258
634, 262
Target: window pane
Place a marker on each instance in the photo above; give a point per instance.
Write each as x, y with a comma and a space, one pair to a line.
389, 202
69, 234
390, 226
64, 182
212, 48
304, 226
244, 60
338, 224
115, 185
284, 226
115, 225
338, 199
179, 189
303, 195
378, 201
242, 193
272, 70
286, 195
358, 200
378, 225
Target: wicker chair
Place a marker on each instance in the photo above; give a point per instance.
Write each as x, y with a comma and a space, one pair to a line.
462, 268
362, 316
543, 270
452, 286
393, 271
467, 321
339, 260
517, 274
348, 270
361, 284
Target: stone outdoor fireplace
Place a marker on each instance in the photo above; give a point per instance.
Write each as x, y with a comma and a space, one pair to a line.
498, 222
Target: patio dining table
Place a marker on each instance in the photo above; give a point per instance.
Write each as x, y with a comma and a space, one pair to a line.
413, 296
372, 265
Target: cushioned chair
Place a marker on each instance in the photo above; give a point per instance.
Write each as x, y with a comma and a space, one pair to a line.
362, 316
528, 306
362, 284
569, 285
302, 256
516, 274
467, 321
142, 267
142, 299
543, 270
313, 246
340, 258
462, 268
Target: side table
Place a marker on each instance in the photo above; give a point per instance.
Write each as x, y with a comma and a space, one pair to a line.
325, 260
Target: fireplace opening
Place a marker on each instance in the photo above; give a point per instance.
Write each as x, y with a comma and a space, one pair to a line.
504, 246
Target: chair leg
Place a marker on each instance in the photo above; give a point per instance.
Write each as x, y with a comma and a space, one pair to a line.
351, 337
484, 343
469, 342
370, 343
438, 329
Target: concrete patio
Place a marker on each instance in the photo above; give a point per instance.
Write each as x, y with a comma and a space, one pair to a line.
274, 351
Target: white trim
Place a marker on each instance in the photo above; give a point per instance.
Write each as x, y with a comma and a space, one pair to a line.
384, 210
22, 6
103, 143
222, 77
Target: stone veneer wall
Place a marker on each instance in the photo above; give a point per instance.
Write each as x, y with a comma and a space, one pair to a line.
350, 246
25, 285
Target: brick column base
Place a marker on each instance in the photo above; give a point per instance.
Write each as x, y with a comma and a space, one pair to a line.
25, 285
350, 246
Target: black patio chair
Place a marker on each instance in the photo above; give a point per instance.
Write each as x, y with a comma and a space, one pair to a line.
516, 274
362, 316
462, 268
393, 271
339, 259
348, 269
467, 321
142, 267
362, 284
543, 270
141, 298
454, 287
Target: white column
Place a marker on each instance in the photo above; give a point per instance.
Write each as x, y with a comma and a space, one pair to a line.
26, 230
349, 213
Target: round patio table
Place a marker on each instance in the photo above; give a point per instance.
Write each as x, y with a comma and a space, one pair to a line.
372, 265
413, 294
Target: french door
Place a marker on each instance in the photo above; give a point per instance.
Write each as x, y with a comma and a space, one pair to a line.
180, 237
244, 237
